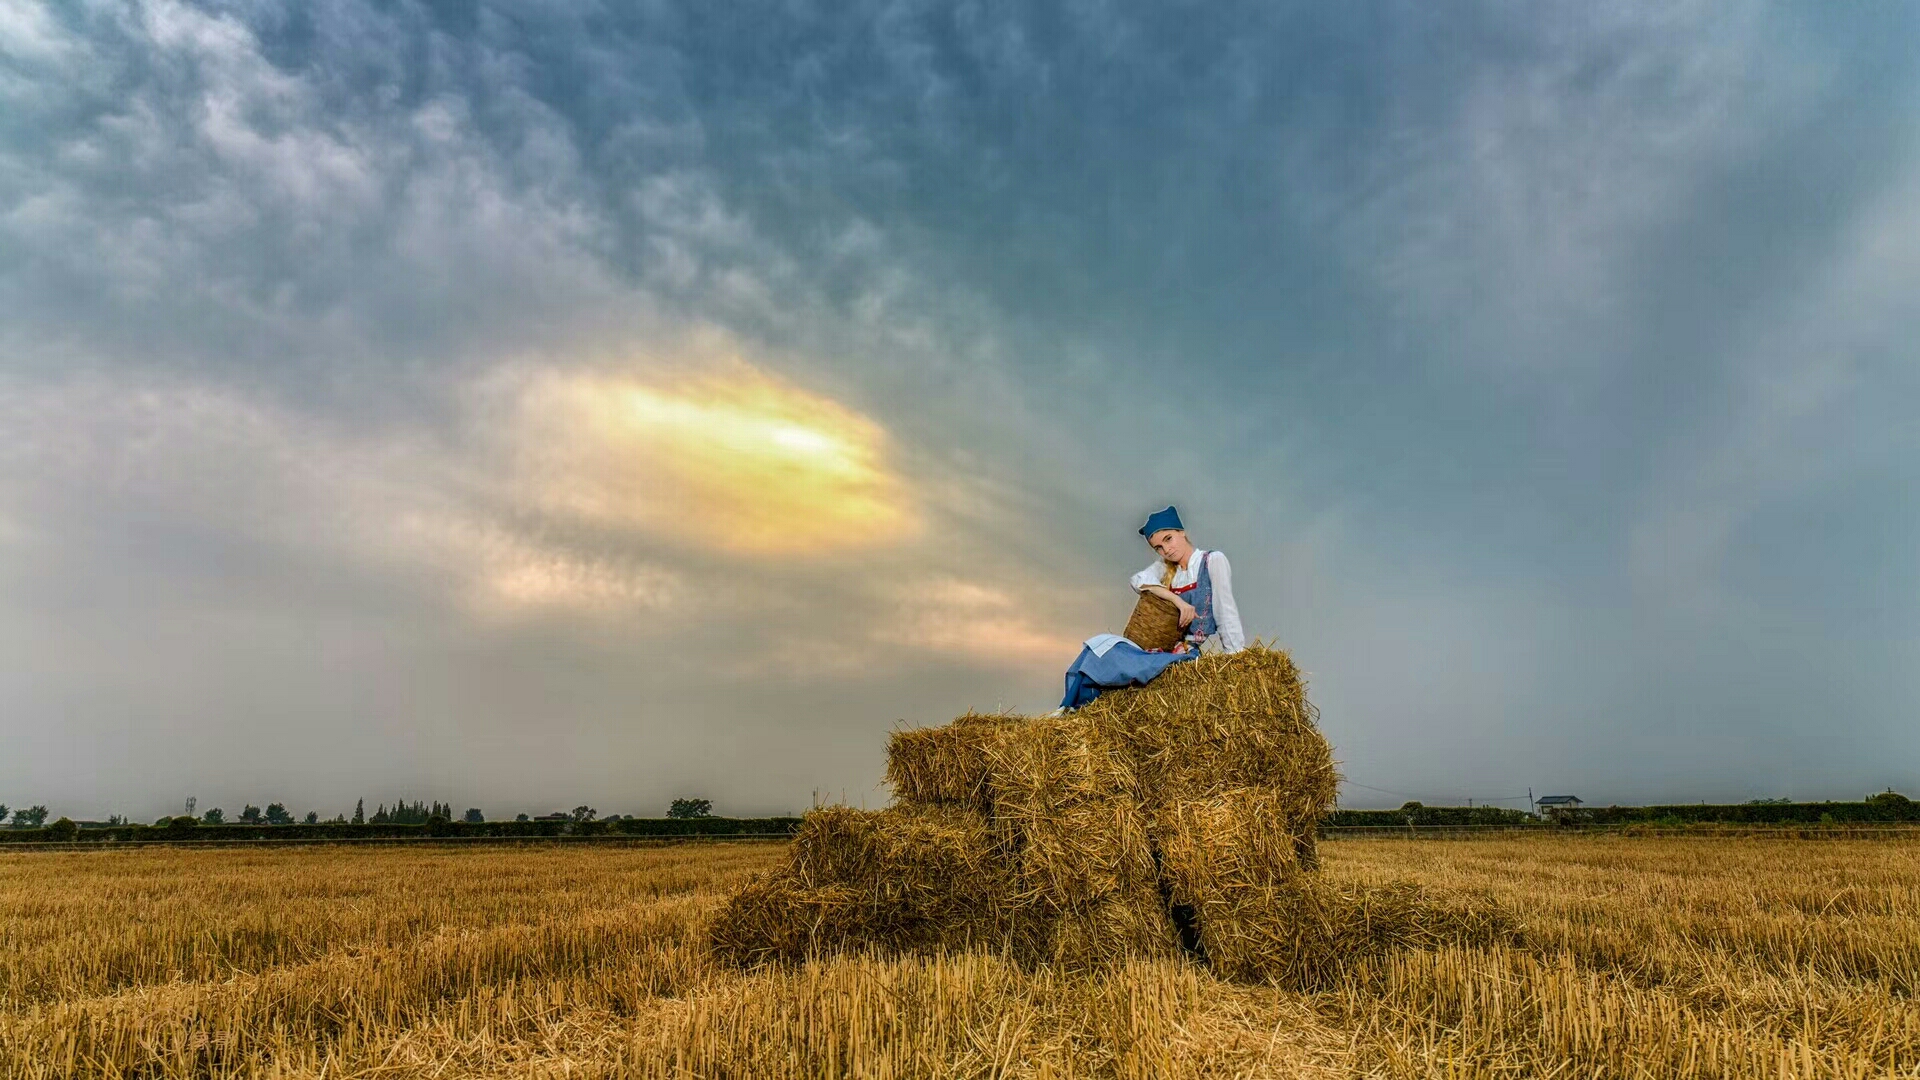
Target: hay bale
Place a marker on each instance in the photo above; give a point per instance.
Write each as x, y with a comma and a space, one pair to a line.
1154, 624
776, 919
895, 880
1064, 841
927, 859
773, 918
1236, 840
1224, 722
1062, 873
1095, 934
947, 765
1234, 778
1303, 931
1066, 804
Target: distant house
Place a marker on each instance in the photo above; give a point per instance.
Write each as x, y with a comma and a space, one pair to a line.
1547, 804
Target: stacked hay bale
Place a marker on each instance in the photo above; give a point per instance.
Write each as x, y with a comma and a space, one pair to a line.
1235, 777
1065, 805
951, 765
1073, 840
893, 880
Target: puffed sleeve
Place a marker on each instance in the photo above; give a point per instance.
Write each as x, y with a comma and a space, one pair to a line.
1226, 613
1149, 576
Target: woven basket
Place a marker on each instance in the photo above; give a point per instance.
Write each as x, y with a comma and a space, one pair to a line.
1155, 624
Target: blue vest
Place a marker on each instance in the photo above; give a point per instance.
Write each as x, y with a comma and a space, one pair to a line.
1200, 595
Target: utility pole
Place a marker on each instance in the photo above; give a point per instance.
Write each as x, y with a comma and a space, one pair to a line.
1530, 806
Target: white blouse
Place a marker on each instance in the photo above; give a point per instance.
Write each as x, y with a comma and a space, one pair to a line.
1226, 613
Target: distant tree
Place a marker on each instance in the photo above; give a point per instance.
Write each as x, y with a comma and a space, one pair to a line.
522, 816
277, 814
214, 816
250, 816
409, 813
116, 819
181, 823
63, 830
31, 817
583, 813
1889, 797
690, 808
473, 816
437, 825
313, 817
4, 810
1412, 806
359, 811
192, 801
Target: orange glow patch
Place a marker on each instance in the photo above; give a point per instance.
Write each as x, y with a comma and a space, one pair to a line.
983, 622
738, 461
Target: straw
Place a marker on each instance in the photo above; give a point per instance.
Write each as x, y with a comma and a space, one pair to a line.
946, 765
1067, 840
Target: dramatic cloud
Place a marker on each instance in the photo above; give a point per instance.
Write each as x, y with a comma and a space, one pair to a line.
566, 401
747, 464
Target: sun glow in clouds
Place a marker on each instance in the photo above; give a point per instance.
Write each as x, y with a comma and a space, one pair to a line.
739, 461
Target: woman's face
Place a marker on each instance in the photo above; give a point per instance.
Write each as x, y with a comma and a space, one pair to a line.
1171, 545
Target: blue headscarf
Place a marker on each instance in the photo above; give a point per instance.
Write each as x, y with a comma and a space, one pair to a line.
1161, 519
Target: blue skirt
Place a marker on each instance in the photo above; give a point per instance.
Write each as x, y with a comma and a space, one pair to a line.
1123, 664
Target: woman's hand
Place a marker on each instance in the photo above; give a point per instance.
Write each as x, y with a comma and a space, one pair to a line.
1186, 610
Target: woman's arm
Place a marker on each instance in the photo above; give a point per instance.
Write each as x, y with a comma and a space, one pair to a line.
1226, 613
1148, 581
1186, 610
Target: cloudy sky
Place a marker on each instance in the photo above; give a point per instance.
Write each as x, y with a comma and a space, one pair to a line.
526, 405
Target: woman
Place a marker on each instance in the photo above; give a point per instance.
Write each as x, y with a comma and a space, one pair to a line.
1198, 583
1202, 588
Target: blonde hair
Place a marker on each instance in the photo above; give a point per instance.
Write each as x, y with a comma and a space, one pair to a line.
1168, 568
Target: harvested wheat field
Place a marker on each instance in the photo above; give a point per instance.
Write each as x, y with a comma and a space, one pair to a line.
1636, 958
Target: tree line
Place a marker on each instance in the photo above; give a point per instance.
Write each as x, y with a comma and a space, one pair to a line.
554, 827
402, 812
1887, 807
